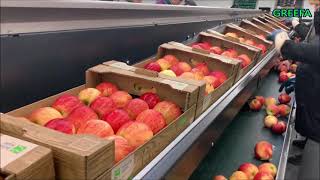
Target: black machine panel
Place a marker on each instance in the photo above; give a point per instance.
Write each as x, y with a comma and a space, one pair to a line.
35, 66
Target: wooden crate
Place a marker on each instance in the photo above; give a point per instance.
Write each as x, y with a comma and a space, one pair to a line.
75, 156
86, 156
135, 83
22, 160
253, 28
245, 34
187, 54
218, 40
271, 23
277, 22
262, 24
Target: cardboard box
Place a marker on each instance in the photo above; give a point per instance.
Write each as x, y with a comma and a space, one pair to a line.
262, 24
184, 95
271, 23
253, 28
22, 160
276, 22
232, 28
187, 54
75, 156
88, 157
217, 40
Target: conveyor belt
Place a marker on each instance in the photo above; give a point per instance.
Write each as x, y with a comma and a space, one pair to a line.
236, 144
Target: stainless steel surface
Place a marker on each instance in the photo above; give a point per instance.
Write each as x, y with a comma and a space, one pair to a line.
286, 145
158, 167
56, 15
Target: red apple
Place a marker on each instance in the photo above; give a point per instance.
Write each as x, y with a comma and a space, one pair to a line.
212, 80
171, 58
43, 115
284, 98
62, 125
88, 95
122, 147
107, 88
219, 177
262, 47
103, 106
263, 176
203, 67
135, 107
198, 75
293, 68
151, 99
268, 168
279, 128
117, 118
153, 119
96, 127
255, 105
121, 98
245, 60
66, 103
261, 99
263, 150
233, 52
283, 68
231, 34
242, 40
164, 64
169, 110
196, 46
204, 45
216, 50
249, 169
269, 101
250, 42
136, 133
270, 120
220, 75
180, 68
272, 110
168, 73
284, 110
187, 75
227, 54
153, 66
238, 175
81, 115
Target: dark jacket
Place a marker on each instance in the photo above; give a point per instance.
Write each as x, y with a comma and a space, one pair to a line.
307, 88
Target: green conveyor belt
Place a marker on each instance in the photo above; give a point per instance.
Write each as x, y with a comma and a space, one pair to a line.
236, 144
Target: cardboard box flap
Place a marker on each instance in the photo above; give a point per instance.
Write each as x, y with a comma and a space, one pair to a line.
137, 84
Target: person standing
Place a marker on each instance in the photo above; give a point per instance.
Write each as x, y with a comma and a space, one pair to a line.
307, 90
